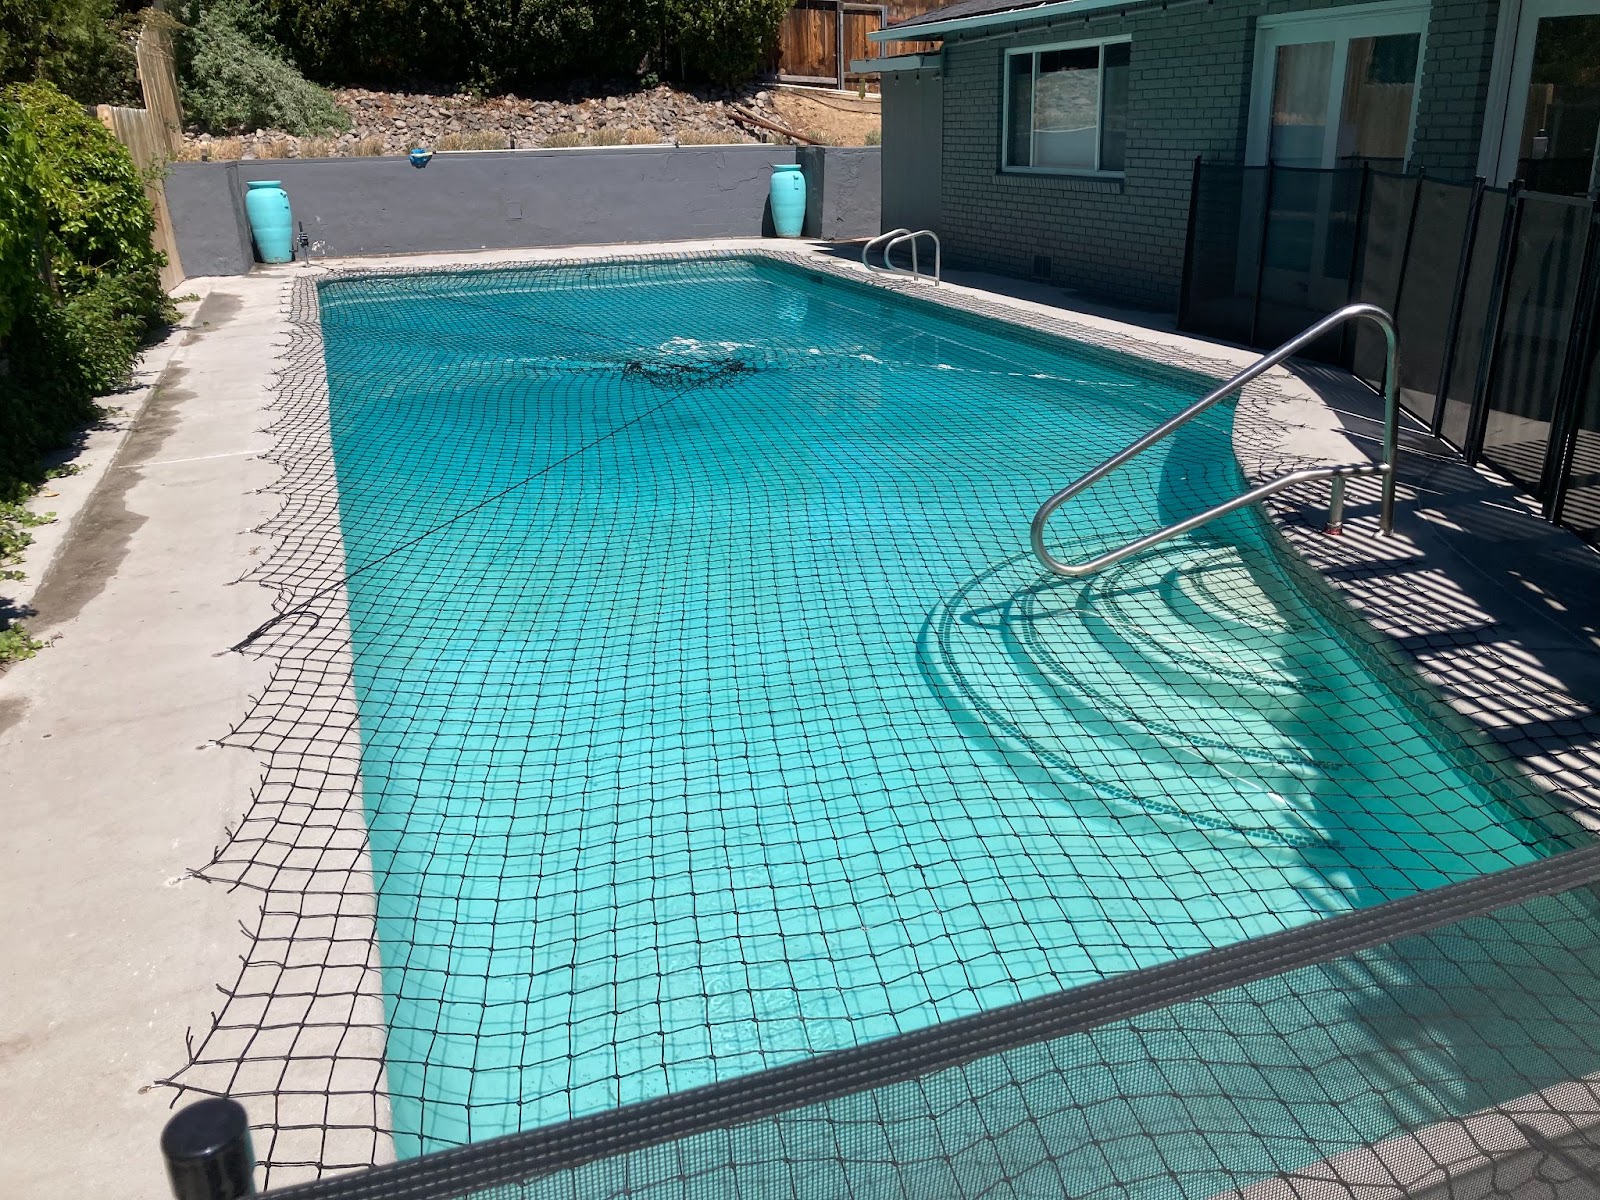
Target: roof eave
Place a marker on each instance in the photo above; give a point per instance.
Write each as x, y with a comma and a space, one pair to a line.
1011, 16
898, 62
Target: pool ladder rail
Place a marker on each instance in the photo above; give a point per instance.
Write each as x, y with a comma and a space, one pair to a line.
911, 237
1337, 474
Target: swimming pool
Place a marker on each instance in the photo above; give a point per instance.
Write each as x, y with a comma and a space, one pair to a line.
714, 715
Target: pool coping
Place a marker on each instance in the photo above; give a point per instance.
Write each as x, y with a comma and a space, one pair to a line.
1268, 418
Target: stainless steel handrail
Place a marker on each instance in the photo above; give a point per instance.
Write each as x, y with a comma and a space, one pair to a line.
882, 237
916, 269
1386, 468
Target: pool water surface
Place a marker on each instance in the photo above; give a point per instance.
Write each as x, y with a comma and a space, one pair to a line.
714, 715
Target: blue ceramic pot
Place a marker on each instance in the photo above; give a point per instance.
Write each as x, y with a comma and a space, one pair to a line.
271, 224
788, 192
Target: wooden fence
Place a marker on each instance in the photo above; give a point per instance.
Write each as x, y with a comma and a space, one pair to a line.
819, 39
153, 135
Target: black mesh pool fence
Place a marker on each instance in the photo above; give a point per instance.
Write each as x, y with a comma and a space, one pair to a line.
1451, 1035
1494, 293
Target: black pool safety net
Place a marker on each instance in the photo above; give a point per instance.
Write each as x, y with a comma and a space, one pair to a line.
841, 852
1445, 1045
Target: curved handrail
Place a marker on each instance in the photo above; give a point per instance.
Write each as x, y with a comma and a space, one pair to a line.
882, 237
916, 270
1386, 468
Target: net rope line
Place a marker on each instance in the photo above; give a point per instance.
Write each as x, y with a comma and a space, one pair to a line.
298, 844
665, 370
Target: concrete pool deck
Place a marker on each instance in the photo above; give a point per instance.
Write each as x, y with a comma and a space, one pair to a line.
121, 778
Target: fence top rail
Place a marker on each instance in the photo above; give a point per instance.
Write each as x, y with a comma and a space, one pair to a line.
1525, 195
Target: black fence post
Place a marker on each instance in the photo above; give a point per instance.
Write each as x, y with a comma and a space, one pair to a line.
1458, 299
208, 1151
1261, 258
1358, 235
1575, 375
1188, 246
1483, 388
1405, 247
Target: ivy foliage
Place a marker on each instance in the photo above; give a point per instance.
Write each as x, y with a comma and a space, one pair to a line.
501, 44
84, 47
80, 284
234, 75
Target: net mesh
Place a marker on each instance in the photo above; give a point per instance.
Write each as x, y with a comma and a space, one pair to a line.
661, 698
1455, 1060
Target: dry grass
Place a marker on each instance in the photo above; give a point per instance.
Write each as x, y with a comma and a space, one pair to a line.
478, 139
281, 147
318, 147
216, 150
700, 137
607, 137
642, 137
367, 147
561, 141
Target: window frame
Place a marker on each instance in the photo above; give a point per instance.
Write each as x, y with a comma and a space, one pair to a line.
1340, 26
1099, 43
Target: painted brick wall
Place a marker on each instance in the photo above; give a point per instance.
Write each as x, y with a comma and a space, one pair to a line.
1455, 86
1188, 95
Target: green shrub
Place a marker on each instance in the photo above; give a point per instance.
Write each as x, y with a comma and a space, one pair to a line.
98, 220
21, 216
80, 283
233, 77
84, 47
497, 44
724, 41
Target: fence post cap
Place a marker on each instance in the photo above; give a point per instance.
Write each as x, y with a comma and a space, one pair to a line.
203, 1128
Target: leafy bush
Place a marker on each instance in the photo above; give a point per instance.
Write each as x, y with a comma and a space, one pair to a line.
725, 41
234, 77
84, 47
98, 220
80, 284
496, 44
21, 216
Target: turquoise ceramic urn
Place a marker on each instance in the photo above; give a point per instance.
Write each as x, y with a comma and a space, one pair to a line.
272, 227
788, 192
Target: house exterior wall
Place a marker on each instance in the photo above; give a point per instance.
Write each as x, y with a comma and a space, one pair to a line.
1189, 95
913, 105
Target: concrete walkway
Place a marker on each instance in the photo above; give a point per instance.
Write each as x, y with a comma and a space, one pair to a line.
113, 786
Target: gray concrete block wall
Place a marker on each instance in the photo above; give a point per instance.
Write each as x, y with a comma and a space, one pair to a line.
510, 200
843, 184
1189, 94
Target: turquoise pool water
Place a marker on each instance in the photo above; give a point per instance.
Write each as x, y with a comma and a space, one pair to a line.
714, 716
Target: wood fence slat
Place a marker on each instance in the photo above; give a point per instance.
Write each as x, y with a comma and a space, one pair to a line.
148, 145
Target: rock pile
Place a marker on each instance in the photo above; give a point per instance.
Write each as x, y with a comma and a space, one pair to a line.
394, 122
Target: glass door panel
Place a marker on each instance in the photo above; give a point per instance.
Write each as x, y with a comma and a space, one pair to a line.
1562, 114
1380, 85
1300, 104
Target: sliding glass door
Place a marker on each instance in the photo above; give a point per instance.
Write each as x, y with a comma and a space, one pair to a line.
1551, 127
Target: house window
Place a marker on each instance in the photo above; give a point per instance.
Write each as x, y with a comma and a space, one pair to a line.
1067, 108
1337, 87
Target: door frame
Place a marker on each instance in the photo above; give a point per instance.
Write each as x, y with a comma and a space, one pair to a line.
1509, 71
1336, 25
